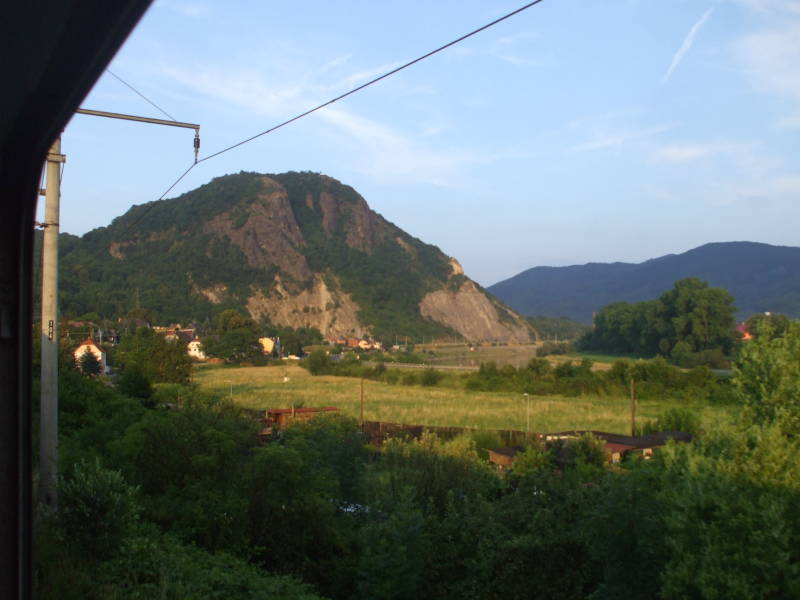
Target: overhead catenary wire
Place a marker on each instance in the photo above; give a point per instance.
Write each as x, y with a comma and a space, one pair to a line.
145, 98
372, 81
319, 107
148, 208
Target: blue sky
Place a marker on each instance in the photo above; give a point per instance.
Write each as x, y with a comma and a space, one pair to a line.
574, 132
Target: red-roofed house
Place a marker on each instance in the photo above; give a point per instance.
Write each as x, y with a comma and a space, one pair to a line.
742, 328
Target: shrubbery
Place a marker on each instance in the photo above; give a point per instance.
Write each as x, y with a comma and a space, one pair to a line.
654, 379
187, 504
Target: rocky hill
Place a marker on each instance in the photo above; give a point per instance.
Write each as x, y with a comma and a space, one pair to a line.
297, 249
760, 277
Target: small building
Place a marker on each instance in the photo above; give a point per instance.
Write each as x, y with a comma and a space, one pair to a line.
281, 417
88, 345
195, 349
616, 451
617, 446
742, 329
504, 457
267, 344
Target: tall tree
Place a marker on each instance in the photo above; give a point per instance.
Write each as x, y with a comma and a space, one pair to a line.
89, 365
767, 379
690, 318
158, 359
234, 338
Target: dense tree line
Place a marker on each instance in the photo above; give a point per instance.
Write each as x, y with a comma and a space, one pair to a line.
558, 328
691, 324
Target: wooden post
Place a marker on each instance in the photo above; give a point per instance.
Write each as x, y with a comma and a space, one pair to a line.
633, 406
527, 416
362, 403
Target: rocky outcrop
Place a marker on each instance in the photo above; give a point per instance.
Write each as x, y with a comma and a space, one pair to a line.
266, 231
331, 311
216, 294
470, 312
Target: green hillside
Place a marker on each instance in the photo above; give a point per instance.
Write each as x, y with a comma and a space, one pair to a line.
232, 235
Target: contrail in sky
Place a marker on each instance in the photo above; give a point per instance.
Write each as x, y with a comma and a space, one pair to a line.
687, 43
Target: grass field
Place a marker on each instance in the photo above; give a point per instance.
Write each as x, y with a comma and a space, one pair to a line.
517, 355
264, 387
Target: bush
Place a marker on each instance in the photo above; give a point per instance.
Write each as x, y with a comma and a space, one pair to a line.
135, 384
675, 419
554, 348
97, 509
430, 377
409, 379
318, 363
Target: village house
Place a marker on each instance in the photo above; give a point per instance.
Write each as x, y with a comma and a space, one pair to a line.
88, 345
279, 418
195, 349
742, 329
268, 345
176, 333
362, 344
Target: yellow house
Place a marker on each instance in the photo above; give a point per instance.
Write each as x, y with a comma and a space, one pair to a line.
267, 345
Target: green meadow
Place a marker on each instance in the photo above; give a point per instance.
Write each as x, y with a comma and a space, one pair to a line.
447, 404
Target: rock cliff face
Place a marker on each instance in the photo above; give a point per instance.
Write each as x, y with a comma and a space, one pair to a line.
269, 234
470, 312
299, 249
333, 312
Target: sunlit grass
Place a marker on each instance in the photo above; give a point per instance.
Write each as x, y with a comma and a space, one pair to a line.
265, 387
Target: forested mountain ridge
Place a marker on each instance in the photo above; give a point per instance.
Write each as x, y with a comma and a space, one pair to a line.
297, 249
761, 277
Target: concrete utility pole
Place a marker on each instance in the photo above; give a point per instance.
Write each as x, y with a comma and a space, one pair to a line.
48, 442
48, 428
633, 406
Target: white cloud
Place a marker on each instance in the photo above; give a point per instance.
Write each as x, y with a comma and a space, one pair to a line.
620, 137
771, 59
692, 151
687, 44
390, 155
776, 188
789, 184
771, 6
790, 122
387, 153
512, 49
363, 76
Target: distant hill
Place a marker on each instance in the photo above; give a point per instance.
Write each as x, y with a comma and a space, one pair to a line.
761, 277
296, 249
